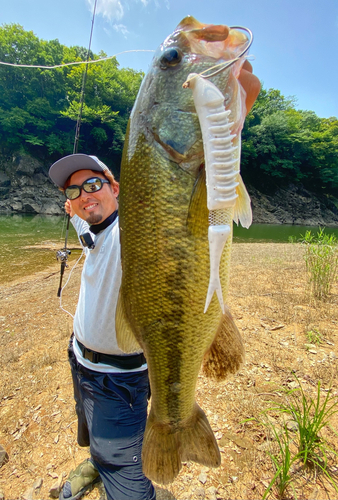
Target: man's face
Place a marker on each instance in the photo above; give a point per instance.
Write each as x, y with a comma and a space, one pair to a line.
93, 207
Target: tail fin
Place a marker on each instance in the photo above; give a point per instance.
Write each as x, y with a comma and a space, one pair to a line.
166, 446
197, 441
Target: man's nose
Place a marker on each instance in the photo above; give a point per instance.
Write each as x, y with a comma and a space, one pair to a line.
84, 195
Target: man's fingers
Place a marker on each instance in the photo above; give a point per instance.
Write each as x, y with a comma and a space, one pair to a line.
247, 65
68, 208
250, 84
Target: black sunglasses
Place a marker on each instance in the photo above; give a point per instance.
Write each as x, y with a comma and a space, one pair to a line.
91, 185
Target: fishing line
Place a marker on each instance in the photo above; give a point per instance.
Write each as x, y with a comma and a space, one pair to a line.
224, 65
75, 62
84, 79
72, 269
62, 255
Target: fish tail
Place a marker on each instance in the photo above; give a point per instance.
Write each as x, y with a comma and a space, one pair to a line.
197, 441
166, 446
160, 454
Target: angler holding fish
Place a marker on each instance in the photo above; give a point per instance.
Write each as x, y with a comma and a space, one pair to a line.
165, 261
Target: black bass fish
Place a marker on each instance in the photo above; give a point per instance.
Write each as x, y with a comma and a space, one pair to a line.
164, 223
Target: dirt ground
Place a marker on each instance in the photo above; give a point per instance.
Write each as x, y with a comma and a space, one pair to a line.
270, 301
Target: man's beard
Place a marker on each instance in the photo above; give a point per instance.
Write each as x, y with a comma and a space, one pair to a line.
94, 219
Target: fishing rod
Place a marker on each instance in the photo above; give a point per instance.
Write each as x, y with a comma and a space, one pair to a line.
62, 255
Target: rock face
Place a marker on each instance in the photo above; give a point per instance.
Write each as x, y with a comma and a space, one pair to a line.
26, 188
294, 205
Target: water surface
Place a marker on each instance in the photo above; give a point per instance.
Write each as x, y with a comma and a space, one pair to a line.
29, 242
275, 233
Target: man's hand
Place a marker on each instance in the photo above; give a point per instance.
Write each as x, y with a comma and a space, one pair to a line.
68, 208
250, 84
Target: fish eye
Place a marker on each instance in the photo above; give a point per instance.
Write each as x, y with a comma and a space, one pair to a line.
170, 58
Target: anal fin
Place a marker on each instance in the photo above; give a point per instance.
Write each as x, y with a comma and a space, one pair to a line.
242, 210
226, 353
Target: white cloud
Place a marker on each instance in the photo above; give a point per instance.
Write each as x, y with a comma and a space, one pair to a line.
121, 28
109, 9
113, 10
158, 3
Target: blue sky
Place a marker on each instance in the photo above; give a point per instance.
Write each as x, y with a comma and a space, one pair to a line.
295, 41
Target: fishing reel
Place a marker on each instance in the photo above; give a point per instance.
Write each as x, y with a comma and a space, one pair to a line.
62, 255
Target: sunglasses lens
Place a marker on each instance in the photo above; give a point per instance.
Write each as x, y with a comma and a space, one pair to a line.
92, 185
89, 186
72, 192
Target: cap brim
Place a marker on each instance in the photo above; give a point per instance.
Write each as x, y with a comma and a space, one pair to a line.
65, 167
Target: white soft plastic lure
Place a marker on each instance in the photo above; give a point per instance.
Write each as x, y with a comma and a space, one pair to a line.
222, 173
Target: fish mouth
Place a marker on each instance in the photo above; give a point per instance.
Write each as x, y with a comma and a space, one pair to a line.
215, 41
206, 32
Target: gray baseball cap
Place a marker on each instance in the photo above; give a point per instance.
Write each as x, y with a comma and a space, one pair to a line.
65, 167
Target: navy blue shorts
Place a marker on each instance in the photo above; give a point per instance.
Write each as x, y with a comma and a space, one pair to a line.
112, 413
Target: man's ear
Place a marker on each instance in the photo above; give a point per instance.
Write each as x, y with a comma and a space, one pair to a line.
116, 189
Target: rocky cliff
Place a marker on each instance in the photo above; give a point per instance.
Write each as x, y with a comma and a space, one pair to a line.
294, 205
26, 188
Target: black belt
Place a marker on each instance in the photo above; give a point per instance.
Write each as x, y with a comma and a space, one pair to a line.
125, 362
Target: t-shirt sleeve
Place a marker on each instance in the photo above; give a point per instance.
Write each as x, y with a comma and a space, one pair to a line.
80, 226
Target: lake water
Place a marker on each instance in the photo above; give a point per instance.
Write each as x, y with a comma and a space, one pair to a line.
29, 243
275, 233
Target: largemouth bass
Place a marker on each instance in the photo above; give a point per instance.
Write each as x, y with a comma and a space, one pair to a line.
164, 221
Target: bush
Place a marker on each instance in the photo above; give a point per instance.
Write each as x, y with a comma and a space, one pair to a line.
321, 258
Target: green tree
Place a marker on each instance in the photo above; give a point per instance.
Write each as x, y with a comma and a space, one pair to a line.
282, 145
39, 108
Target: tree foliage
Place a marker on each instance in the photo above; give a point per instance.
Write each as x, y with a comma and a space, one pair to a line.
282, 145
39, 108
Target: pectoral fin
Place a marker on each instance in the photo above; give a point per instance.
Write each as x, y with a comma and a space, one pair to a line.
198, 212
125, 337
242, 210
226, 353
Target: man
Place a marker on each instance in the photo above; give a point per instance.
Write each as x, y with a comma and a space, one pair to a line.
110, 388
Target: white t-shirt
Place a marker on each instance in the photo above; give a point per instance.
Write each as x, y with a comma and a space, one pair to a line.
94, 321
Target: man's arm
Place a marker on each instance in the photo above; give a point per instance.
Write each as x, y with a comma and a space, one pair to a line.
80, 225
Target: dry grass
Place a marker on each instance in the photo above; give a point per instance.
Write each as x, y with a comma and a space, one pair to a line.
272, 308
